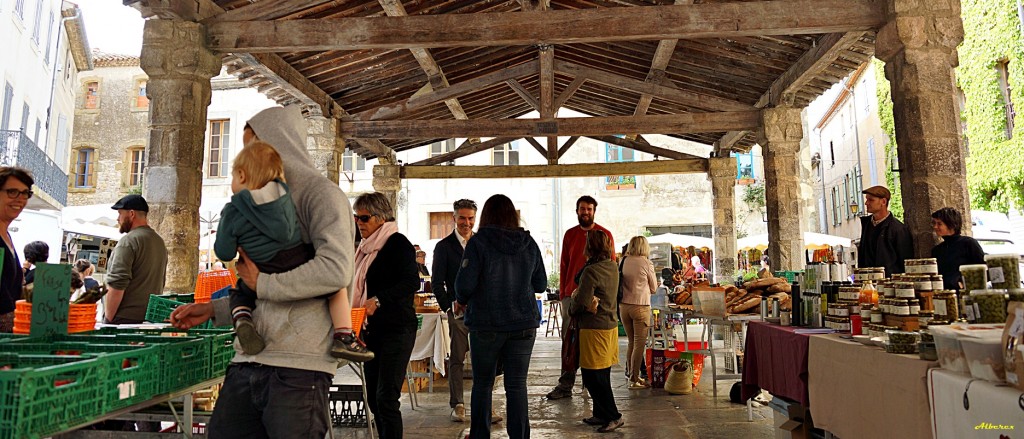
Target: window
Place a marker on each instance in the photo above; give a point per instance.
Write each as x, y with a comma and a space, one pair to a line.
5, 122
1002, 68
141, 100
39, 127
49, 39
92, 95
842, 124
217, 154
867, 97
872, 165
619, 154
845, 206
19, 8
832, 152
24, 118
62, 139
506, 154
136, 157
744, 166
835, 206
442, 147
85, 172
39, 22
441, 224
352, 162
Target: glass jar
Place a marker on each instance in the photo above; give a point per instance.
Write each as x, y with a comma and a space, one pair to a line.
945, 305
849, 293
922, 282
989, 306
915, 306
924, 317
876, 316
922, 266
901, 307
1003, 270
967, 309
937, 283
1015, 294
887, 289
904, 290
868, 293
975, 276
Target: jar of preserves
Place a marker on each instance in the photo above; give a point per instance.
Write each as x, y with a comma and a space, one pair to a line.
937, 283
904, 290
887, 289
915, 306
901, 307
1003, 270
924, 317
946, 306
922, 266
989, 306
922, 282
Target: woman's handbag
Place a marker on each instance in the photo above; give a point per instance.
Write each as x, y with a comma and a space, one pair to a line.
571, 345
680, 378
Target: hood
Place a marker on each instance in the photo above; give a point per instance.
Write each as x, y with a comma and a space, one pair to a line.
263, 209
284, 128
507, 241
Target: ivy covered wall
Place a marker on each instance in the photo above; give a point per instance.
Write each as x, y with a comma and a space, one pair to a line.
995, 164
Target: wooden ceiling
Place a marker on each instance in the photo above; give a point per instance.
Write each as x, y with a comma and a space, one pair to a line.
595, 71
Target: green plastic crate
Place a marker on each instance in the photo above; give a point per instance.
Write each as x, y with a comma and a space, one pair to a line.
790, 276
42, 396
5, 337
222, 342
160, 307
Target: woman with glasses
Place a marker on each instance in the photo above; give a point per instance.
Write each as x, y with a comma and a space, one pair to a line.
386, 280
15, 190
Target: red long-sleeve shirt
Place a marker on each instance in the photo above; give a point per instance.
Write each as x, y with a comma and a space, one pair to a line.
573, 244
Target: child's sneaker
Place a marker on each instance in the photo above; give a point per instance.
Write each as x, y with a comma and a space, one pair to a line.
351, 348
248, 338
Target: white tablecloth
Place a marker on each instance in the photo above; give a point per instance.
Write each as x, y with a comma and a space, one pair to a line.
433, 341
991, 410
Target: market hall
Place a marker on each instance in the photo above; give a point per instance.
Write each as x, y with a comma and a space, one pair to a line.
451, 69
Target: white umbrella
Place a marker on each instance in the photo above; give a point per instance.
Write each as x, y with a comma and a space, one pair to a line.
677, 240
812, 241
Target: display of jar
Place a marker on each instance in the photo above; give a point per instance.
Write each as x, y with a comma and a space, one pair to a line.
884, 306
868, 293
922, 266
989, 305
1003, 270
945, 305
915, 306
922, 282
975, 276
924, 317
887, 290
849, 293
904, 290
937, 283
865, 312
901, 307
876, 316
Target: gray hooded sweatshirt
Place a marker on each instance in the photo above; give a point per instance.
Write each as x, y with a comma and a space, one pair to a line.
291, 313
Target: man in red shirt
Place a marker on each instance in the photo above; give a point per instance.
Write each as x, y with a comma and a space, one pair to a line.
573, 260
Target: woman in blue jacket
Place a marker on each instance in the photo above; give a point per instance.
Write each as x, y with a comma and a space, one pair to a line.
501, 271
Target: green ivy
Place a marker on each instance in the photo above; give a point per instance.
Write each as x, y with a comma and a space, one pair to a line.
995, 164
892, 179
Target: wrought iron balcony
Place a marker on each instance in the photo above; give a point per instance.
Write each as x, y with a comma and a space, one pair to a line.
17, 149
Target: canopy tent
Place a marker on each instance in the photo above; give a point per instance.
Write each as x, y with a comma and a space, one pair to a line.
97, 220
677, 240
812, 241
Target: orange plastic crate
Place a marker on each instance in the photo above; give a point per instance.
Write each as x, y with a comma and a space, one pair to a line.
81, 317
358, 316
211, 281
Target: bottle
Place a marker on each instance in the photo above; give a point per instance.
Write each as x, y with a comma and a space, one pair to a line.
868, 293
797, 305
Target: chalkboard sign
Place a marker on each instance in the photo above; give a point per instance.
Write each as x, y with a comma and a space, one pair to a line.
52, 288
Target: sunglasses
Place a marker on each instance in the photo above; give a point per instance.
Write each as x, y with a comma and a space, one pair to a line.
14, 193
363, 218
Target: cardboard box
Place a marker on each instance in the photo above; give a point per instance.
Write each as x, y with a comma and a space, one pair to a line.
791, 420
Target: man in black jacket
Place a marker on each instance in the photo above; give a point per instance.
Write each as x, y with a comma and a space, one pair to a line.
447, 260
885, 241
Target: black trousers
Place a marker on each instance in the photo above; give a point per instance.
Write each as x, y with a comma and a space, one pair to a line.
384, 377
260, 401
599, 383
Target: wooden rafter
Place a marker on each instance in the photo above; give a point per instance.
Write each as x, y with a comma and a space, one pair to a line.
536, 145
547, 97
686, 166
570, 90
523, 93
645, 147
662, 55
568, 144
578, 126
706, 20
464, 150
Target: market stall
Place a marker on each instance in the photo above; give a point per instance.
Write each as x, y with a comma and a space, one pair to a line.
775, 360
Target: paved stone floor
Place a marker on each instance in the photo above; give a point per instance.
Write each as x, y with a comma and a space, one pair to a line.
647, 413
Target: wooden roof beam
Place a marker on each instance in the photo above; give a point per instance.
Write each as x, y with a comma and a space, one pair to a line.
464, 150
705, 20
805, 69
577, 126
568, 144
546, 54
687, 166
523, 93
645, 147
662, 56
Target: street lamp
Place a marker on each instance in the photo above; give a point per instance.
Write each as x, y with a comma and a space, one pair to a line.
854, 207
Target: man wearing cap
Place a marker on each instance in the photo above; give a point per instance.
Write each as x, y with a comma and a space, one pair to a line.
884, 240
137, 266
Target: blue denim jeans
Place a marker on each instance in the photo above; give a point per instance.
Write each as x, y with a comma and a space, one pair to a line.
513, 349
260, 401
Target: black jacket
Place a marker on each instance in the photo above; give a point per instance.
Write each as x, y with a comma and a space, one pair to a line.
951, 253
887, 245
447, 257
10, 280
394, 278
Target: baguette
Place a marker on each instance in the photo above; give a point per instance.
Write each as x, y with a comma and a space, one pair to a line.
780, 288
763, 283
745, 304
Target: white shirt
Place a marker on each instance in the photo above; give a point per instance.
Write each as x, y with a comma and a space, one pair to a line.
462, 240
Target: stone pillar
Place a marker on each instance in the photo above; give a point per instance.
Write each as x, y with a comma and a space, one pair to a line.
387, 180
324, 145
722, 173
780, 134
918, 45
179, 67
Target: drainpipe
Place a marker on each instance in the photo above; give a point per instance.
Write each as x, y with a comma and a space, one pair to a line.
821, 175
53, 80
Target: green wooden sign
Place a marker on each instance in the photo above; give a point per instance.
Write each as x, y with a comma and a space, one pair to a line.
50, 294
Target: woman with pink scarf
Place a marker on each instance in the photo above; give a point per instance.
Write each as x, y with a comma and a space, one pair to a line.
386, 281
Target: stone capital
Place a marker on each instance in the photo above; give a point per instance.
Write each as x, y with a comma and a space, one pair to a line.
780, 127
386, 178
930, 25
177, 49
722, 167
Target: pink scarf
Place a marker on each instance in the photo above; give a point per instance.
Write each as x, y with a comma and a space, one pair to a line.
365, 255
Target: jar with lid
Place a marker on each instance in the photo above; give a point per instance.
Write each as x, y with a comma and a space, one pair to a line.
937, 283
887, 289
989, 305
901, 307
915, 306
922, 266
924, 317
904, 289
975, 276
967, 309
946, 305
876, 316
849, 293
1003, 270
922, 282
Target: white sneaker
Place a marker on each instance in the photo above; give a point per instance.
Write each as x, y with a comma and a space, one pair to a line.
459, 413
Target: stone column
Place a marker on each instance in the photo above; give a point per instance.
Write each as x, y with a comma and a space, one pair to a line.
722, 173
324, 145
780, 134
387, 180
179, 67
918, 45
